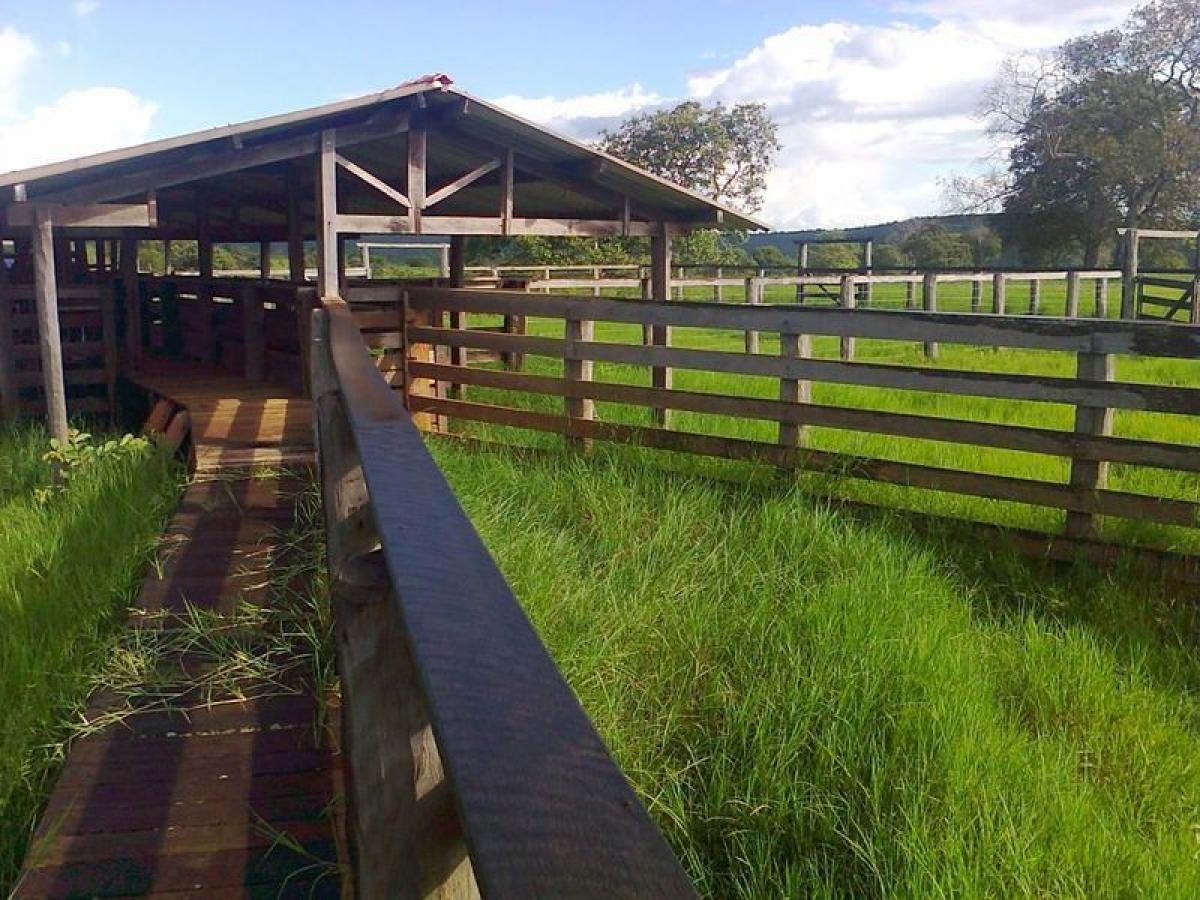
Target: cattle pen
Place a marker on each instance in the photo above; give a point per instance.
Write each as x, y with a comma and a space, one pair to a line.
467, 765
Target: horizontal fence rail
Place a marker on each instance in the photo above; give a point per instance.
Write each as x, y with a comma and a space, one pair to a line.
1092, 391
472, 764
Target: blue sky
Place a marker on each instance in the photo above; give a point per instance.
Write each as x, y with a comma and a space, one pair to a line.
874, 99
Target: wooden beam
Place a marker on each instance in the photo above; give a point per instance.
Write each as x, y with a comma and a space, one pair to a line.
450, 225
10, 406
453, 187
326, 197
209, 163
416, 176
86, 215
458, 258
295, 225
367, 178
660, 335
49, 340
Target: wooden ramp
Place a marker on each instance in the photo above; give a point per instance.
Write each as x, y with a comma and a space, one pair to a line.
231, 787
234, 422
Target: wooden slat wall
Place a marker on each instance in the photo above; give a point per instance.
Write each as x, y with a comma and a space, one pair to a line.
88, 329
1092, 391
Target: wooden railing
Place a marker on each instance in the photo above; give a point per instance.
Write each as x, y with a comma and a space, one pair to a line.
1093, 391
473, 769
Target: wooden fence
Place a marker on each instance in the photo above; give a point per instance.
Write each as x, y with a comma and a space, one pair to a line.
87, 327
1093, 391
473, 769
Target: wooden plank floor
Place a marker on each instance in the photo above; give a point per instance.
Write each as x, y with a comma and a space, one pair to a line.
221, 796
235, 422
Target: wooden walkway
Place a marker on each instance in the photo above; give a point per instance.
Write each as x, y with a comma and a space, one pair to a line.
235, 422
218, 794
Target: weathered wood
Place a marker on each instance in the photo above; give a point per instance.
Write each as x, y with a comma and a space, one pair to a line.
753, 297
660, 334
1129, 272
94, 215
112, 348
1035, 298
417, 163
577, 369
327, 214
1073, 280
132, 300
790, 415
1038, 388
372, 180
495, 698
295, 224
999, 285
507, 191
976, 295
847, 299
254, 349
995, 487
10, 402
49, 339
453, 187
929, 305
1086, 474
1021, 332
483, 225
792, 390
1101, 290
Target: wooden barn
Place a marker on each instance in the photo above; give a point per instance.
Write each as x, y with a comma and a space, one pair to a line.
424, 158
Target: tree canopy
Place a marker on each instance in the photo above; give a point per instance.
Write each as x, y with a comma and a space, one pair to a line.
722, 152
1103, 133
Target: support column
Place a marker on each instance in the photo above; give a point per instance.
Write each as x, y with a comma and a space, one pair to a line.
416, 176
660, 335
456, 260
264, 260
295, 226
46, 294
133, 306
10, 406
326, 197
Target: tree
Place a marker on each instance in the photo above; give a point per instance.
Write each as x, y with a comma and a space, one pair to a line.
1102, 133
890, 256
770, 256
723, 153
933, 247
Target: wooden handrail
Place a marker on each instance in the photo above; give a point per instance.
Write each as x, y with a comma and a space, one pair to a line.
543, 809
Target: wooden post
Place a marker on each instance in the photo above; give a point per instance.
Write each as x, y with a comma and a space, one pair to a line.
1195, 316
976, 295
133, 306
295, 225
718, 288
264, 260
326, 199
1072, 295
754, 290
801, 268
910, 295
647, 330
868, 265
999, 281
1089, 474
576, 371
596, 281
112, 349
456, 264
166, 257
10, 403
1035, 296
1129, 270
847, 300
416, 176
792, 390
343, 287
929, 304
46, 294
1101, 298
254, 351
660, 335
204, 293
444, 261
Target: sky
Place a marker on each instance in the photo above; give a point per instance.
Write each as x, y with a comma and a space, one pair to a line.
875, 101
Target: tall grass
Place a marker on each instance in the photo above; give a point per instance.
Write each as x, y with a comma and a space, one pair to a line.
818, 705
69, 565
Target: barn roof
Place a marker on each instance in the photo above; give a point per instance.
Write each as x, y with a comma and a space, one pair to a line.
244, 170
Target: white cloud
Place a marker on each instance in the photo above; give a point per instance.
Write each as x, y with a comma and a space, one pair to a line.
84, 8
870, 116
582, 116
17, 51
78, 123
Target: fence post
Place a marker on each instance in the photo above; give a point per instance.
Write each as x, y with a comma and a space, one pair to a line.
1035, 296
999, 281
793, 390
910, 295
577, 370
847, 300
10, 406
929, 304
1089, 475
976, 294
660, 335
1101, 291
253, 347
458, 355
718, 288
1129, 270
1195, 316
647, 331
753, 298
596, 279
1072, 295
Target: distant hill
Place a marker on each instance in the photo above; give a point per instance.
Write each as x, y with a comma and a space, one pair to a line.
885, 233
